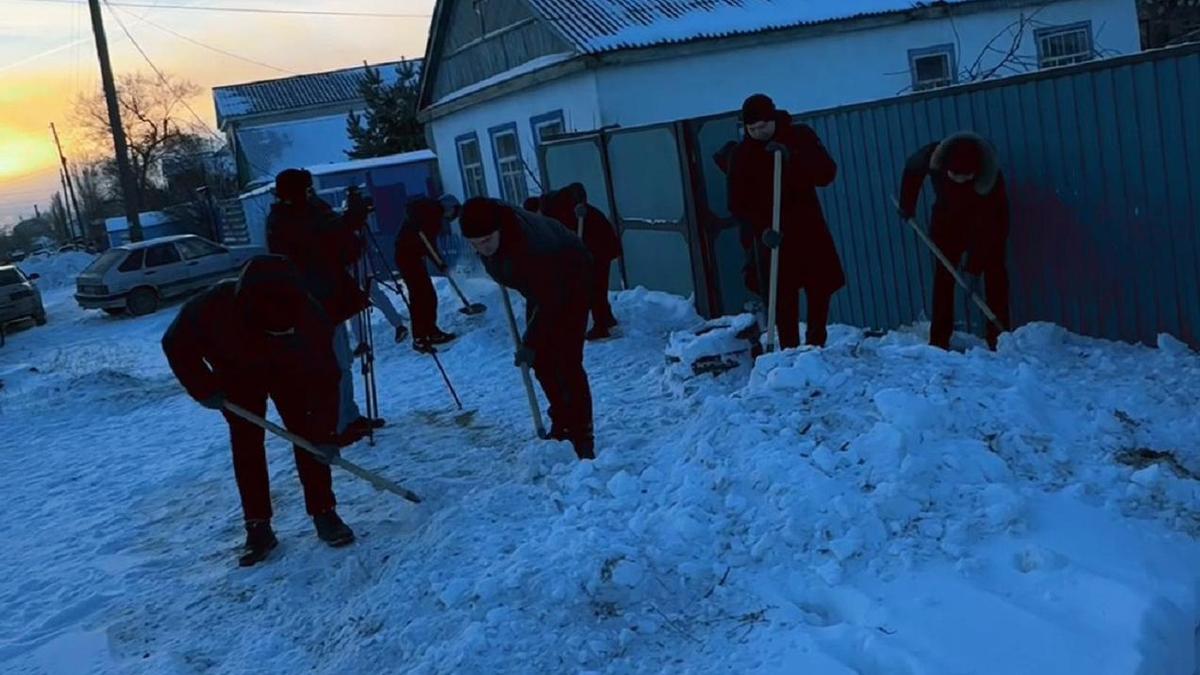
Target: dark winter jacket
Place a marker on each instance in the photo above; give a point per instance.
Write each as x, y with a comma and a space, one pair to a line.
217, 345
599, 236
422, 216
322, 245
974, 215
808, 257
543, 262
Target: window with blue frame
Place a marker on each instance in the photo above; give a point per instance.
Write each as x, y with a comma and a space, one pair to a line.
470, 166
547, 126
510, 165
1064, 45
932, 67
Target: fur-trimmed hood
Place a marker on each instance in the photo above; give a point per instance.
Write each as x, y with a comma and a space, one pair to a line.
989, 169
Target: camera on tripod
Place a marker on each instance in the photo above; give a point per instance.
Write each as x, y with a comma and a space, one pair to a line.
358, 206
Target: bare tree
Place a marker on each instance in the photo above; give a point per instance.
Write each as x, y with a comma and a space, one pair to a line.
152, 113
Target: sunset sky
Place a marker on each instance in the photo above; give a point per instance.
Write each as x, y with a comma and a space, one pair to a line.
47, 57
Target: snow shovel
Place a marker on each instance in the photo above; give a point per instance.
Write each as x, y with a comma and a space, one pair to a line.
534, 409
774, 293
379, 482
580, 214
469, 308
987, 311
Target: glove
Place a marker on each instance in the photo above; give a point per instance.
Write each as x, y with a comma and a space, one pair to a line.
772, 239
524, 357
214, 402
775, 146
361, 349
905, 214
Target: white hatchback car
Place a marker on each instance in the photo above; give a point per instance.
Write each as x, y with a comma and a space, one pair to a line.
137, 277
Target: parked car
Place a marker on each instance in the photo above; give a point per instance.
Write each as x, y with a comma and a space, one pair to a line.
138, 277
19, 297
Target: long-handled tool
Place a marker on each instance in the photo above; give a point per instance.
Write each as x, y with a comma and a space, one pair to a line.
466, 416
379, 482
580, 215
774, 293
534, 408
367, 357
983, 307
469, 308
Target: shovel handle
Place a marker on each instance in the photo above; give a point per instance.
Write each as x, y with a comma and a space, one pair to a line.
776, 207
535, 410
374, 479
983, 307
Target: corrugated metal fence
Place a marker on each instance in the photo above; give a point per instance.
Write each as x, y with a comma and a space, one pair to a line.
1103, 166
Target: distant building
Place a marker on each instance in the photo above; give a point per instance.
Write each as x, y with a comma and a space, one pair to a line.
154, 224
292, 121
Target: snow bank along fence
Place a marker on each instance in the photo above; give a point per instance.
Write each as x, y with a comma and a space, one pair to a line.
1102, 161
390, 181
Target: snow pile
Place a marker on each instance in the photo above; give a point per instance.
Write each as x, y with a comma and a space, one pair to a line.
877, 506
58, 270
726, 335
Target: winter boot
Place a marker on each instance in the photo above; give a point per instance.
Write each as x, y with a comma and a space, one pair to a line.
260, 540
401, 333
331, 529
440, 337
585, 447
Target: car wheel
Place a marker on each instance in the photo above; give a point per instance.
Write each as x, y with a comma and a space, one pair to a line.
141, 302
113, 311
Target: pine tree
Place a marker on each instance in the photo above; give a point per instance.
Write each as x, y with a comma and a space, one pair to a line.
389, 124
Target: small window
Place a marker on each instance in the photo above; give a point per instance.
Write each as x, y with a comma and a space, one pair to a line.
932, 67
161, 254
134, 262
510, 166
470, 161
1064, 45
546, 127
198, 248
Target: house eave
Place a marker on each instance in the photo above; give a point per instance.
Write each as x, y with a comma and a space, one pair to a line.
541, 76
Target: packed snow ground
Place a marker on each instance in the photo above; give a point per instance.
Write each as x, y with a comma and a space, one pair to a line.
875, 507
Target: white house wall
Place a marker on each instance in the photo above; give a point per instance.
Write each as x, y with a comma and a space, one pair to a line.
837, 69
574, 95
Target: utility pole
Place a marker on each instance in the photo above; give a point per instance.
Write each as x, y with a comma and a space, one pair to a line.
128, 185
62, 177
69, 189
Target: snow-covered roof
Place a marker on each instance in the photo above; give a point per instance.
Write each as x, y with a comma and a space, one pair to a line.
299, 91
372, 162
595, 26
351, 165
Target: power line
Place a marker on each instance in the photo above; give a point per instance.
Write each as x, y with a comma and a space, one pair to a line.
218, 50
254, 10
162, 78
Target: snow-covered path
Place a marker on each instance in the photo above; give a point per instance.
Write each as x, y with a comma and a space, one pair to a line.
876, 507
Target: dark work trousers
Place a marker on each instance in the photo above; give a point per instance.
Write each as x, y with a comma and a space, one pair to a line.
249, 450
602, 315
787, 302
421, 296
995, 279
558, 365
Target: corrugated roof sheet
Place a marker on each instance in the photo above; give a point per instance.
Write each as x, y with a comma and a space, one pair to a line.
300, 91
596, 26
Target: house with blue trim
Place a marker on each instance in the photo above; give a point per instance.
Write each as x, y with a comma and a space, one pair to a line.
503, 76
294, 121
